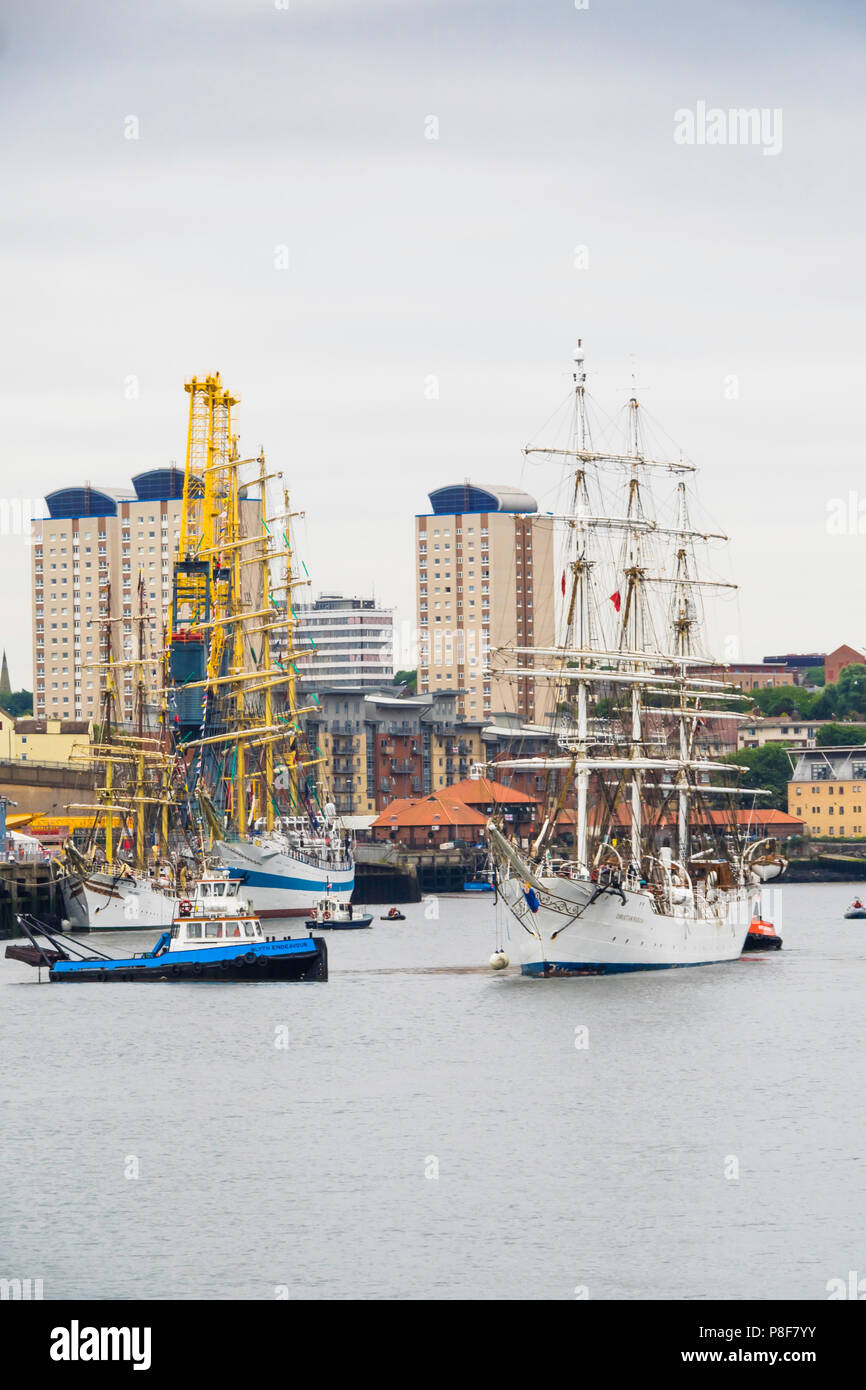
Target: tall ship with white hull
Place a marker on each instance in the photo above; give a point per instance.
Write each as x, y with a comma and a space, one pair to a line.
659, 874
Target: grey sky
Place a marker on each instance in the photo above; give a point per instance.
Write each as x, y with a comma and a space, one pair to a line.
410, 257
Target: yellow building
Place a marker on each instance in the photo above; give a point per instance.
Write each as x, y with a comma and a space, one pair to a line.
41, 740
453, 752
828, 791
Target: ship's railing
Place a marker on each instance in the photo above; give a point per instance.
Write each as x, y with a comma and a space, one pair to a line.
327, 859
320, 861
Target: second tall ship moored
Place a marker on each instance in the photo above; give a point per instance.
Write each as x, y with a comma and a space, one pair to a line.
219, 771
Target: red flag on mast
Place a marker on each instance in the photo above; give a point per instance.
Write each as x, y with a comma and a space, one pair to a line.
563, 583
616, 600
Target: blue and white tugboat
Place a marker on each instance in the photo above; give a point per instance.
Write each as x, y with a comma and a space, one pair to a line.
213, 936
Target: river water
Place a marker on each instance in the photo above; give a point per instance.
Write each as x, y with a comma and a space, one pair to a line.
422, 1128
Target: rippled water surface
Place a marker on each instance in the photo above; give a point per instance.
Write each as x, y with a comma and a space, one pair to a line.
312, 1166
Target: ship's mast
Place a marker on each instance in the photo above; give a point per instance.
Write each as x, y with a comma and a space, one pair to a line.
577, 632
683, 619
577, 626
266, 655
291, 681
108, 702
633, 630
232, 513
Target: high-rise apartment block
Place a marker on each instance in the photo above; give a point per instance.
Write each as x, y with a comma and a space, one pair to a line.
484, 579
102, 562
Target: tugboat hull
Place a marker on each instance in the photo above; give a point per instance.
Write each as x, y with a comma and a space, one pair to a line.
762, 943
354, 925
304, 959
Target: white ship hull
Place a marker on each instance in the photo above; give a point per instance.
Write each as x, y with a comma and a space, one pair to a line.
570, 935
74, 901
127, 905
281, 883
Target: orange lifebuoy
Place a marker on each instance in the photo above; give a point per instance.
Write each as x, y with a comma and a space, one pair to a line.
326, 916
184, 907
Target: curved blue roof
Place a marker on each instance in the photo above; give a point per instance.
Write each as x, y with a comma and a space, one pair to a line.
81, 501
461, 498
159, 485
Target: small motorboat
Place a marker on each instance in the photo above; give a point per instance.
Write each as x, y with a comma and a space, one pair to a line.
856, 909
213, 937
762, 936
329, 914
393, 916
478, 886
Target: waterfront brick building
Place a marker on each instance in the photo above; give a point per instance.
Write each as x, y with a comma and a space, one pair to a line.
458, 812
754, 824
429, 823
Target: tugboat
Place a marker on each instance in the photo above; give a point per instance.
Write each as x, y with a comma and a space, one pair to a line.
213, 937
330, 914
856, 909
761, 936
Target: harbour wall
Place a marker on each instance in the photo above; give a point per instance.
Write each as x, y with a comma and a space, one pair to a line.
26, 886
386, 873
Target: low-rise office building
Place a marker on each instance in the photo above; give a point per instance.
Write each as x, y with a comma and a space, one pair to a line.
827, 791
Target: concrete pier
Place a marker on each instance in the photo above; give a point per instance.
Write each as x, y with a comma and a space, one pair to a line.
26, 886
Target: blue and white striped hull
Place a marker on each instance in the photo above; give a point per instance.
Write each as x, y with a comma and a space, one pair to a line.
568, 935
279, 884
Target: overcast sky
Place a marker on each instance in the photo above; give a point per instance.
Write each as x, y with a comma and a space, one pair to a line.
306, 127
